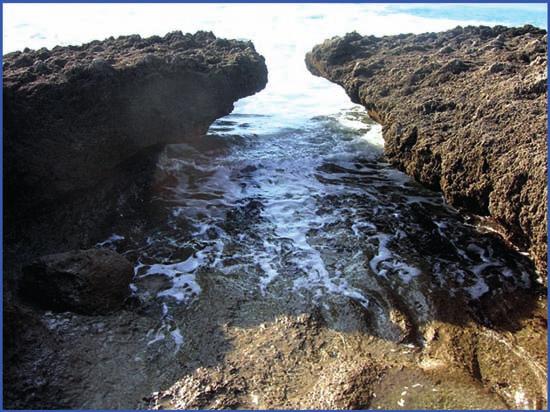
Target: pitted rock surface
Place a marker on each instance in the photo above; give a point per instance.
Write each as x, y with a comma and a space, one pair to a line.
463, 111
83, 124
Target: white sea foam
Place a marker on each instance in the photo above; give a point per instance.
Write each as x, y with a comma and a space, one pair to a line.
158, 335
385, 261
374, 136
292, 94
110, 240
359, 226
478, 289
383, 254
178, 338
184, 286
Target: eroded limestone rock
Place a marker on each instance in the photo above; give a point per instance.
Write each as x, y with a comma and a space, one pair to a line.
463, 111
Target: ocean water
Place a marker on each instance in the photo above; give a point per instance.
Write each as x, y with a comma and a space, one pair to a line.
283, 33
298, 156
290, 195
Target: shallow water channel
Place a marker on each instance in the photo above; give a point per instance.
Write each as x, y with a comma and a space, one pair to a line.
281, 262
294, 268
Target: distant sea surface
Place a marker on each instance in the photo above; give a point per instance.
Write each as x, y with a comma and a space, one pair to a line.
287, 205
283, 33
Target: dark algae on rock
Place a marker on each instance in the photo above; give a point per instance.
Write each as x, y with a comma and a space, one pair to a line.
83, 129
463, 111
273, 264
83, 125
88, 281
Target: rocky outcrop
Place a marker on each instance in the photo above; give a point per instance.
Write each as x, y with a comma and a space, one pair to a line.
28, 346
463, 111
93, 281
83, 125
83, 130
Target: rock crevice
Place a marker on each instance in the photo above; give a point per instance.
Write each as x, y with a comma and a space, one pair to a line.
81, 124
463, 111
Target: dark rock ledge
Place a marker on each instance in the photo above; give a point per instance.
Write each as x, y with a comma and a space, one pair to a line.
83, 130
463, 111
83, 126
94, 281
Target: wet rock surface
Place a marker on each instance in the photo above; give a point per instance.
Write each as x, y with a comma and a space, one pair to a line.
283, 272
292, 268
83, 125
90, 281
83, 128
67, 360
463, 111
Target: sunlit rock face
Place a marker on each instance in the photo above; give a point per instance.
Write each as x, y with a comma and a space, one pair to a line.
281, 263
463, 111
83, 124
